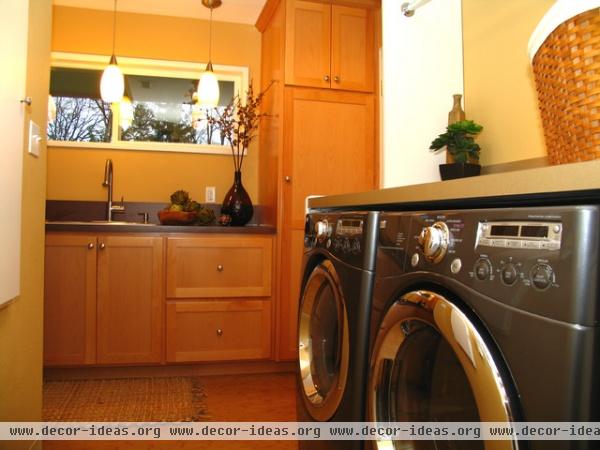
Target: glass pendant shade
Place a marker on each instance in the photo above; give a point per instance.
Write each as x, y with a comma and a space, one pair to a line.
112, 83
51, 109
125, 113
208, 88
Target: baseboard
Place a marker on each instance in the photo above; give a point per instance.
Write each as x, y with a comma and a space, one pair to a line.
205, 369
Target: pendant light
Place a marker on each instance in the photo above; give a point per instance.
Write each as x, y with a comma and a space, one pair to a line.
208, 86
112, 83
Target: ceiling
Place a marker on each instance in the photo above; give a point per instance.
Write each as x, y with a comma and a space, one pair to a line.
238, 11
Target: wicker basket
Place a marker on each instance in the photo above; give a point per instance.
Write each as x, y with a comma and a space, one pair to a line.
567, 76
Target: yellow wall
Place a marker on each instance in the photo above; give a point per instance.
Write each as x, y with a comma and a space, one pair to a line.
499, 86
76, 174
21, 323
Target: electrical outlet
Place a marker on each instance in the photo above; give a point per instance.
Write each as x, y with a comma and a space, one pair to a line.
211, 194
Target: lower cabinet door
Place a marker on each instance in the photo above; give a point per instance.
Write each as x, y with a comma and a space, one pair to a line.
70, 300
218, 330
130, 298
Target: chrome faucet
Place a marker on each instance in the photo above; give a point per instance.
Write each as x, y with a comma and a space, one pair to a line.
108, 182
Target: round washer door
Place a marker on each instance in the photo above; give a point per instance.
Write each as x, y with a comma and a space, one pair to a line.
430, 364
323, 342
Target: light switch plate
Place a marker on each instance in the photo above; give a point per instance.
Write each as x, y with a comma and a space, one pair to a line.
211, 194
35, 139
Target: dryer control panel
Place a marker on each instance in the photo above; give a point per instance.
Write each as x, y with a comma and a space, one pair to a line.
347, 236
538, 259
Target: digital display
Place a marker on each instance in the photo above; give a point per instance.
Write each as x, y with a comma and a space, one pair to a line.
505, 230
539, 231
351, 223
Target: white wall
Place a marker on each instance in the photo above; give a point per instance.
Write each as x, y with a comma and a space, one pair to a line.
422, 68
13, 52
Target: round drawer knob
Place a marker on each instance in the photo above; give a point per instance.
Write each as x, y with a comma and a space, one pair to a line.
220, 268
219, 332
91, 245
102, 246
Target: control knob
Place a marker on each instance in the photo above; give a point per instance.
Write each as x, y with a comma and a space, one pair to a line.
509, 274
542, 276
483, 269
323, 230
434, 241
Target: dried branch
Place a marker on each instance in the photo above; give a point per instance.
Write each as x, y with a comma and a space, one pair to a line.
238, 123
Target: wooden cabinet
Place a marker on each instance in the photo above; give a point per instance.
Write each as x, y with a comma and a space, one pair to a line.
329, 46
218, 330
317, 140
70, 300
103, 299
130, 292
218, 298
219, 266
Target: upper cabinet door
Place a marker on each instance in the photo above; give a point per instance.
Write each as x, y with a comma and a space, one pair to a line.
308, 38
352, 48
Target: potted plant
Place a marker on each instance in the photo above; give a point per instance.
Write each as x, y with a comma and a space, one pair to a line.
459, 140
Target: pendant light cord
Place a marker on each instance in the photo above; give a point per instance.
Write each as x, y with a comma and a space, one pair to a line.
209, 36
114, 26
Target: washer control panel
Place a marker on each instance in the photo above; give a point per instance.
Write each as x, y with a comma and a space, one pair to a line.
526, 235
541, 259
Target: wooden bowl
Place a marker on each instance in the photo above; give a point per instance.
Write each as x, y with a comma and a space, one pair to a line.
167, 217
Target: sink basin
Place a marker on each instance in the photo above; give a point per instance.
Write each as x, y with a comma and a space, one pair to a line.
99, 222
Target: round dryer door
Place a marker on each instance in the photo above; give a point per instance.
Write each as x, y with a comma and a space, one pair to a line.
430, 364
323, 342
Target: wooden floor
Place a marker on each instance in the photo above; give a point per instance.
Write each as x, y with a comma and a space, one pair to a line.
231, 398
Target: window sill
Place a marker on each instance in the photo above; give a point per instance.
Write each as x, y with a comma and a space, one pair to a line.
148, 146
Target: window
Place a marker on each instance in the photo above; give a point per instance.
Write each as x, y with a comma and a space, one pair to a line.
159, 111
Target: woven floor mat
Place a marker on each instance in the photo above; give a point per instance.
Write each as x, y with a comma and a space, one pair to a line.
169, 399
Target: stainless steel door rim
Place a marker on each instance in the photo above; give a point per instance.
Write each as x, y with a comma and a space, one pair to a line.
432, 310
322, 286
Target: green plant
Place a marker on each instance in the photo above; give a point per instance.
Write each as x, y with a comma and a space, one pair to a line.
459, 141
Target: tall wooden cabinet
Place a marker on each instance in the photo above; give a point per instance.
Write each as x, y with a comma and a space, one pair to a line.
320, 136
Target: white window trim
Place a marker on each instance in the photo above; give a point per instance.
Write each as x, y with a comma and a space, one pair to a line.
150, 67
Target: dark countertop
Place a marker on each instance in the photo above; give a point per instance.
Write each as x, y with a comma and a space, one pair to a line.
568, 183
86, 217
91, 227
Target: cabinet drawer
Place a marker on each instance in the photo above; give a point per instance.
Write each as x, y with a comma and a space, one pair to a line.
218, 330
232, 266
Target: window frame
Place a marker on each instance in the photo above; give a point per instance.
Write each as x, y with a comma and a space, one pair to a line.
149, 67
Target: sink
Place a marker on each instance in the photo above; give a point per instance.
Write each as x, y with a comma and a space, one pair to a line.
98, 222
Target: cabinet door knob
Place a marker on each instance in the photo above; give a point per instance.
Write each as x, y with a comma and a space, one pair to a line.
336, 79
326, 78
219, 332
287, 178
102, 246
91, 245
220, 268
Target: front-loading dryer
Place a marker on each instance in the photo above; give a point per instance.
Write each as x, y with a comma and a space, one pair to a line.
486, 315
333, 324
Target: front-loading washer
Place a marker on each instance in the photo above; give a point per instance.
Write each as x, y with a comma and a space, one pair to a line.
333, 323
486, 315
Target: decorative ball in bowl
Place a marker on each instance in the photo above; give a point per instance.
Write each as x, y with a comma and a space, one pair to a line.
167, 217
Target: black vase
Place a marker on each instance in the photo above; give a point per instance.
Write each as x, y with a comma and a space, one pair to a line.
237, 203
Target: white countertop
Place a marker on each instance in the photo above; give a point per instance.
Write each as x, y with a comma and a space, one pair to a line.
584, 176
